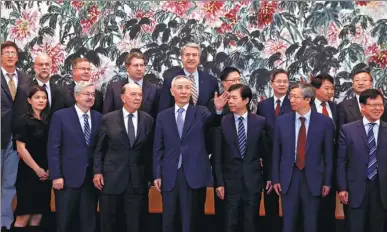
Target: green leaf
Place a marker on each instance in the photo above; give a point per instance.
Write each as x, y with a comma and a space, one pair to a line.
53, 21
54, 9
44, 18
192, 9
15, 14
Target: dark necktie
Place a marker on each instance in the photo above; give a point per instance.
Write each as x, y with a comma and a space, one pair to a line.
48, 97
372, 162
180, 125
301, 145
131, 133
242, 137
324, 109
86, 130
278, 107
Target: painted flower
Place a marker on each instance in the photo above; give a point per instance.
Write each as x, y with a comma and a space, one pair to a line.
56, 52
78, 4
25, 27
266, 12
178, 7
104, 72
275, 46
380, 58
232, 18
127, 44
375, 9
371, 50
92, 17
361, 3
361, 37
149, 14
211, 10
332, 33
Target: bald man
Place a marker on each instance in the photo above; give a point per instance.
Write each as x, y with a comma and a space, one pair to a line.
123, 160
58, 96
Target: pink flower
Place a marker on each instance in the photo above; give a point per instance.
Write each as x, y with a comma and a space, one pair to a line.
92, 17
56, 53
178, 7
78, 4
211, 10
274, 46
232, 17
380, 58
371, 50
149, 14
332, 33
266, 12
25, 27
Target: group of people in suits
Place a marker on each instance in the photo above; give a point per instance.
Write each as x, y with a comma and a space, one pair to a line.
189, 134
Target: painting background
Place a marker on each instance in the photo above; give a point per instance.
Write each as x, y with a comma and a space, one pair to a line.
305, 37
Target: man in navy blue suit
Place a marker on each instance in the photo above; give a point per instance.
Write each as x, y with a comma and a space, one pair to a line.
239, 146
302, 159
362, 166
181, 167
203, 84
271, 109
72, 139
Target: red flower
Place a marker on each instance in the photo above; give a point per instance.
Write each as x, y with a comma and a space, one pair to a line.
149, 14
266, 12
77, 4
232, 17
380, 58
92, 17
56, 52
212, 9
361, 3
178, 7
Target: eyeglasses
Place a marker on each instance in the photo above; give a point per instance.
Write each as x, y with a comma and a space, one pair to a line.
374, 106
10, 54
88, 94
281, 82
84, 69
43, 64
295, 97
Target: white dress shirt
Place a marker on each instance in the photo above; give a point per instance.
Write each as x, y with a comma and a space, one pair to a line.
236, 117
80, 114
298, 126
319, 107
375, 128
15, 76
281, 99
134, 120
140, 82
185, 107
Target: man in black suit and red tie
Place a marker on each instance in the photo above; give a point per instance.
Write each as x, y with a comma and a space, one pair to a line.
239, 146
362, 166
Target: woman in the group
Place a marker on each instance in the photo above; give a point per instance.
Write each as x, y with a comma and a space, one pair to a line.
33, 187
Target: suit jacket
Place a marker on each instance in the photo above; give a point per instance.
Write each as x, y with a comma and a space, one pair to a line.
168, 146
117, 160
353, 158
69, 157
318, 157
7, 104
150, 97
231, 171
208, 85
98, 101
333, 106
266, 109
348, 112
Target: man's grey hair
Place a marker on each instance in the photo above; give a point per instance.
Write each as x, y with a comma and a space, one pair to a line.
177, 78
307, 90
191, 45
81, 86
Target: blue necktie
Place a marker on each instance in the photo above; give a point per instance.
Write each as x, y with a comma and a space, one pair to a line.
242, 137
372, 162
86, 131
180, 125
131, 132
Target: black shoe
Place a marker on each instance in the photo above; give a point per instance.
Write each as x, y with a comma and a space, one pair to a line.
4, 229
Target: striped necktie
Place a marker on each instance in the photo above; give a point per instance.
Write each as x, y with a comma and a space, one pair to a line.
86, 130
194, 90
372, 162
242, 136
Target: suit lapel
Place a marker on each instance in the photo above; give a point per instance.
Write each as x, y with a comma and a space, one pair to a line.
292, 131
121, 124
332, 106
250, 132
93, 126
311, 131
363, 137
140, 129
380, 153
173, 123
233, 133
78, 127
5, 86
354, 108
285, 105
271, 109
188, 119
202, 86
145, 91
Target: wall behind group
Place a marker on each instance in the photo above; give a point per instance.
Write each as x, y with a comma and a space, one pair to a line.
304, 37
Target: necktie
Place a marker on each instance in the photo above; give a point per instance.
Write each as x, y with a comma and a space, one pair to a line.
278, 107
11, 85
131, 133
194, 90
242, 136
86, 130
301, 145
180, 125
324, 109
48, 97
372, 162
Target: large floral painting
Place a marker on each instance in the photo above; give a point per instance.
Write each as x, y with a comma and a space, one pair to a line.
304, 37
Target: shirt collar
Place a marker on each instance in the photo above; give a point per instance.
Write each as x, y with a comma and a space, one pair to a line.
318, 102
357, 98
185, 107
281, 98
140, 82
244, 116
80, 113
41, 83
193, 74
306, 116
126, 113
366, 121
5, 72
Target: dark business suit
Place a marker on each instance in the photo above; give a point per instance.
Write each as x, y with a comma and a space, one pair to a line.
190, 181
208, 85
349, 111
302, 188
352, 168
266, 109
98, 100
241, 177
71, 158
150, 97
327, 217
123, 168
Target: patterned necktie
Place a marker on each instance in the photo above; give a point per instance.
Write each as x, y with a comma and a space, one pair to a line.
131, 133
324, 109
301, 145
372, 162
194, 90
278, 107
11, 85
242, 136
180, 125
86, 130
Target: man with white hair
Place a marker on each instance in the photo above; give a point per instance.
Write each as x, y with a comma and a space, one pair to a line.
72, 139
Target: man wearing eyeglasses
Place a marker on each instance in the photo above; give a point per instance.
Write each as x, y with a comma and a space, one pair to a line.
82, 72
11, 79
362, 166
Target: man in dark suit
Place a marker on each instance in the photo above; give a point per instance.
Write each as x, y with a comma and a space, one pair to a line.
324, 88
82, 72
181, 167
122, 156
302, 160
135, 66
239, 147
58, 96
11, 79
203, 84
362, 166
270, 109
72, 139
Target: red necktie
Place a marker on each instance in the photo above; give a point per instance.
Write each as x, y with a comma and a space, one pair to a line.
301, 145
278, 107
324, 110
